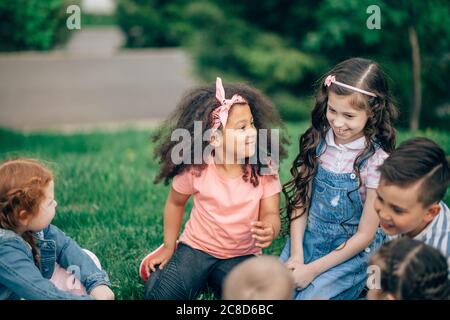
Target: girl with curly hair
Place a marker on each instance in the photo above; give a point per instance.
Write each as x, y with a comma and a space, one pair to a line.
229, 168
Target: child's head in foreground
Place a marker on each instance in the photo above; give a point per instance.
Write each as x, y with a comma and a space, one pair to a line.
414, 179
259, 278
27, 202
410, 270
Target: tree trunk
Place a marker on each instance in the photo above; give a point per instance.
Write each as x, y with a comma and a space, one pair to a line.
417, 98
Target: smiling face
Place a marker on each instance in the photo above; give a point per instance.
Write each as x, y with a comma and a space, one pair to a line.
346, 121
239, 136
400, 211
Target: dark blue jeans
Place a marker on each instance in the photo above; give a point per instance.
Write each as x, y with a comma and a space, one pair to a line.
187, 273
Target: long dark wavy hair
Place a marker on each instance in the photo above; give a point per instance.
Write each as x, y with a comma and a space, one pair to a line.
197, 105
358, 72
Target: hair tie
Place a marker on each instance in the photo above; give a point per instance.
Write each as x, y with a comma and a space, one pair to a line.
220, 114
332, 79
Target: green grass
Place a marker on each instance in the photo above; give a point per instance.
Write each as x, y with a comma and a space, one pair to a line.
107, 201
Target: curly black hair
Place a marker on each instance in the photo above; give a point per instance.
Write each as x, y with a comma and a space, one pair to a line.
197, 105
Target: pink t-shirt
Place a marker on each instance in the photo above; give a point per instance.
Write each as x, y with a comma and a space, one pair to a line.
223, 210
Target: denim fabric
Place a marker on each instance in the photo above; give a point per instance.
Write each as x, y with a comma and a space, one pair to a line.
21, 278
333, 218
187, 273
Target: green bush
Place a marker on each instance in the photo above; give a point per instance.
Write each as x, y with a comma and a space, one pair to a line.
292, 108
32, 24
98, 20
153, 23
283, 47
228, 47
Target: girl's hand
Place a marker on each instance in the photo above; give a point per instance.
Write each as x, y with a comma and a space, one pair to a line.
263, 232
102, 292
294, 262
304, 275
161, 259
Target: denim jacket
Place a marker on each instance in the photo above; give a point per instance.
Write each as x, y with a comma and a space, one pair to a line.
20, 278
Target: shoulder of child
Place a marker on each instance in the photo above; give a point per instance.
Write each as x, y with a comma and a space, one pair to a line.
183, 182
7, 234
378, 157
189, 171
50, 230
371, 168
11, 240
270, 185
270, 178
445, 211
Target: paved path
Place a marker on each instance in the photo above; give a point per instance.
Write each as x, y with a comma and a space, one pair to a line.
91, 83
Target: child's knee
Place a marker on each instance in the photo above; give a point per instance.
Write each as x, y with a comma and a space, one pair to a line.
150, 286
163, 286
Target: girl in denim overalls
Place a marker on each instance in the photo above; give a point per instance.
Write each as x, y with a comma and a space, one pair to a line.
333, 225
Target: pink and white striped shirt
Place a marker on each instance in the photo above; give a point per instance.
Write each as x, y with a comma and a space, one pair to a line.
339, 158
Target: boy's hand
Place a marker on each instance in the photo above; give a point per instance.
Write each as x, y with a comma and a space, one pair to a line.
263, 232
161, 259
102, 292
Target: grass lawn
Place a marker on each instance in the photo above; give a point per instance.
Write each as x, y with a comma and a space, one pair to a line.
107, 201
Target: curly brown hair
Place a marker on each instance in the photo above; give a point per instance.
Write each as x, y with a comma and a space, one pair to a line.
22, 184
197, 105
358, 72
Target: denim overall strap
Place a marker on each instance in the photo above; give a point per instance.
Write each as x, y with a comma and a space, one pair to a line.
363, 160
320, 147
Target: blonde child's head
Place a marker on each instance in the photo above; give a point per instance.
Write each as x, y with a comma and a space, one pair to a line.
27, 202
259, 278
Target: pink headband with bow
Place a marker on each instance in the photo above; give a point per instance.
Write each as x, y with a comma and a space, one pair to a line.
332, 79
220, 114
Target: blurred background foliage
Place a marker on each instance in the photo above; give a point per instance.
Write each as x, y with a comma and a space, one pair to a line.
33, 24
280, 46
284, 46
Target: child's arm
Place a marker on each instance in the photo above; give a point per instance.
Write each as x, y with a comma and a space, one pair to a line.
173, 217
297, 231
19, 274
70, 254
361, 239
266, 229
